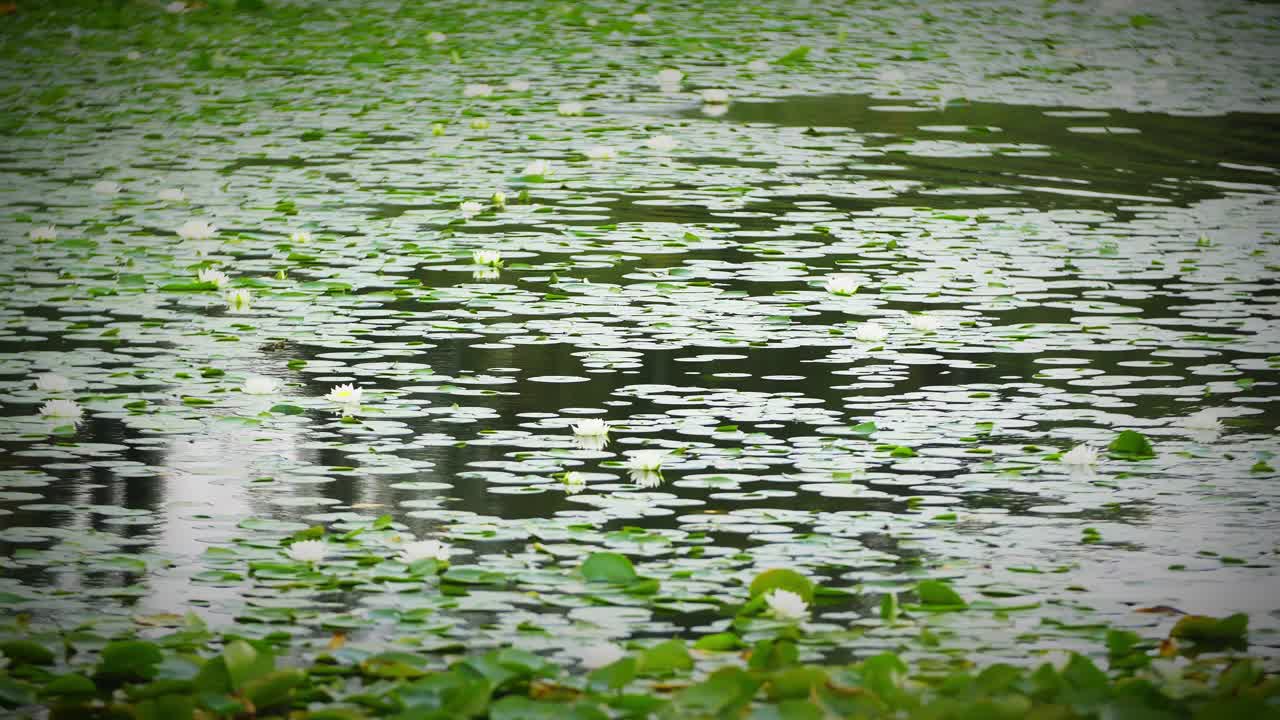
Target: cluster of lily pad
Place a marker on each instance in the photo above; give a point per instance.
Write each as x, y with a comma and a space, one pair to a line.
184, 669
188, 332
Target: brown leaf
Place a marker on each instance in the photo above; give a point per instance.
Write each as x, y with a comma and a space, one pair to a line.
1161, 610
338, 640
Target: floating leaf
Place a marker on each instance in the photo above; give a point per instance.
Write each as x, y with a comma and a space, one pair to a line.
795, 57
245, 663
665, 658
1131, 445
725, 693
132, 659
1210, 630
938, 594
782, 579
613, 676
26, 652
608, 567
719, 642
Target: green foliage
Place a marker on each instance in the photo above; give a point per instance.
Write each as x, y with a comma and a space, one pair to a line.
935, 595
149, 680
889, 608
719, 642
613, 676
782, 579
725, 693
1212, 631
246, 663
129, 660
26, 652
1131, 445
795, 57
286, 409
773, 654
609, 568
665, 658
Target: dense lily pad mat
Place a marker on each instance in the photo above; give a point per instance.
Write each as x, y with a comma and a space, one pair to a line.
768, 357
189, 672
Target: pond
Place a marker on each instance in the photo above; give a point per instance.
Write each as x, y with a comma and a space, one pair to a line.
271, 288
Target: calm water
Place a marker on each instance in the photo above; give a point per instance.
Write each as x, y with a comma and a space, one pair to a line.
1089, 271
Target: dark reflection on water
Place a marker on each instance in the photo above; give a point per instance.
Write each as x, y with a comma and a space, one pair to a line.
1170, 157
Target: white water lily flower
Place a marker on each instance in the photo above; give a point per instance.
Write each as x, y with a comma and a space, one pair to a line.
538, 168
209, 275
239, 299
591, 442
841, 284
715, 96
758, 65
518, 85
925, 323
43, 232
485, 273
870, 331
570, 108
308, 551
61, 409
197, 230
477, 90
1170, 675
591, 427
301, 237
662, 143
347, 394
172, 195
258, 385
669, 76
642, 19
422, 550
1082, 455
52, 382
786, 605
574, 482
600, 654
471, 208
499, 199
647, 460
492, 258
436, 37
1204, 421
645, 478
106, 187
601, 152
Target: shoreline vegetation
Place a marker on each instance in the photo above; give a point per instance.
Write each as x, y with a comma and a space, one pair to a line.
183, 669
